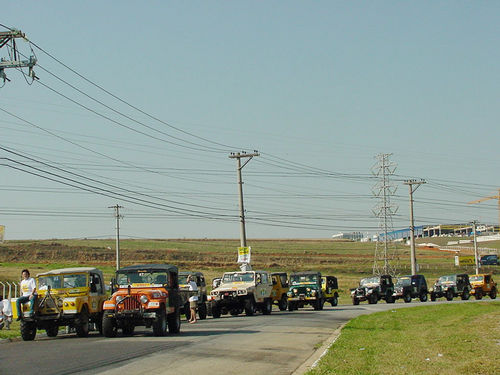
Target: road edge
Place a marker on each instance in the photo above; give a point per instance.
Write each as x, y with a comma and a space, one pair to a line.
314, 359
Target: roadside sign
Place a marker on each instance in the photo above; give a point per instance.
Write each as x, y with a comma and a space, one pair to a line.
467, 261
244, 254
2, 232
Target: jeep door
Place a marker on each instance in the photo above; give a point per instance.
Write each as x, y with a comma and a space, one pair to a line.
263, 286
97, 294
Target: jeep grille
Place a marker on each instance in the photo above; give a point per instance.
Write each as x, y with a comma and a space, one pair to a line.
131, 303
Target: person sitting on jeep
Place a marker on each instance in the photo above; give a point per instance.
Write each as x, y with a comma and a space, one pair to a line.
28, 287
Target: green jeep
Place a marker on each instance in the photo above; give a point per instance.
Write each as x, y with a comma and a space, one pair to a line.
305, 289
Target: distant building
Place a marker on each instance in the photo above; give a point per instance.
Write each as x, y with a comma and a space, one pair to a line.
354, 236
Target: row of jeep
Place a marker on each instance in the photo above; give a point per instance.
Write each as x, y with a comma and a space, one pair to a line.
155, 296
376, 288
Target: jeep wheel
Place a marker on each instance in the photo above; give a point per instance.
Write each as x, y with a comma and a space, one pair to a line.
334, 301
407, 298
52, 330
449, 295
478, 294
433, 297
249, 306
160, 323
465, 295
128, 329
283, 303
268, 306
82, 323
423, 297
174, 322
187, 311
216, 312
493, 293
202, 311
391, 299
108, 326
28, 330
372, 299
355, 301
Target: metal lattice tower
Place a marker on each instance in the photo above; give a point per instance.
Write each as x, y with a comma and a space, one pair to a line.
386, 257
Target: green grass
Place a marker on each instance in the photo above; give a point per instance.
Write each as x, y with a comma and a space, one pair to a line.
439, 339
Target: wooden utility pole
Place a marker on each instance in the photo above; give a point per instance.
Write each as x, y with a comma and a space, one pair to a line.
413, 257
238, 156
476, 257
118, 217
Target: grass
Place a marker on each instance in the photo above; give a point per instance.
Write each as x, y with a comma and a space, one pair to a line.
440, 339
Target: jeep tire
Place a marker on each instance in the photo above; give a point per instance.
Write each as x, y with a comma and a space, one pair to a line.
174, 322
449, 295
407, 298
493, 293
372, 299
433, 297
465, 294
478, 294
202, 310
423, 297
52, 330
216, 312
249, 306
82, 323
355, 301
334, 301
283, 303
108, 326
267, 307
28, 330
160, 323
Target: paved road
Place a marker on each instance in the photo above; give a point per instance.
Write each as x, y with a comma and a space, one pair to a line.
275, 344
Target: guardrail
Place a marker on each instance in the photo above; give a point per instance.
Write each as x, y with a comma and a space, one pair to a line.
6, 285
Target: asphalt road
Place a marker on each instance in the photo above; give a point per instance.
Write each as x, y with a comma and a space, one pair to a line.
276, 344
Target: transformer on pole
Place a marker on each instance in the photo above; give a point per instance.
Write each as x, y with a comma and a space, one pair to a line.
8, 39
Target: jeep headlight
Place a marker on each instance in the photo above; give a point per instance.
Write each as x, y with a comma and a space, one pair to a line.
308, 289
144, 299
313, 293
119, 299
295, 290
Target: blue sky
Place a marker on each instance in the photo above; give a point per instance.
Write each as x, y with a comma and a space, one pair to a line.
319, 88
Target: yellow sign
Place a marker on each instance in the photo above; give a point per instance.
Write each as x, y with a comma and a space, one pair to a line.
467, 261
244, 254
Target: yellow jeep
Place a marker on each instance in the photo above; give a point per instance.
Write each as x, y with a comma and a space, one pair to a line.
330, 289
280, 290
71, 297
483, 285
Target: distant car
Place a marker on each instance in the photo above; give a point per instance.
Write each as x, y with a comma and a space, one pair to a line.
489, 260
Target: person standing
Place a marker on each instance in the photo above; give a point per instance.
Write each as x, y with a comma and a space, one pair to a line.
28, 287
193, 300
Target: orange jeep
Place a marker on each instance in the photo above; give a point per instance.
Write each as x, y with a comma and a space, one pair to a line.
483, 285
145, 295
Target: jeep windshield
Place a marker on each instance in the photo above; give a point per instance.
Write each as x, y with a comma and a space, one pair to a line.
476, 278
303, 279
142, 277
369, 281
403, 281
447, 279
238, 277
62, 281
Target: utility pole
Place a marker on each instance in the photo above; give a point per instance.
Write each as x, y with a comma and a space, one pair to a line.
413, 257
238, 156
118, 217
476, 258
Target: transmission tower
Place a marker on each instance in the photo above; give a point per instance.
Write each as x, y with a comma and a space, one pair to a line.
8, 40
386, 259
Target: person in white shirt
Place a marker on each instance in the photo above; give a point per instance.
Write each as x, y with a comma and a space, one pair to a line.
28, 288
193, 300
